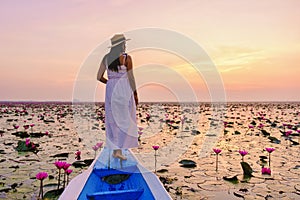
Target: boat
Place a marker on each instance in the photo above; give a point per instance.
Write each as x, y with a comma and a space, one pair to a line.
111, 178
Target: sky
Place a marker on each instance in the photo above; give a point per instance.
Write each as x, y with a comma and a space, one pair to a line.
254, 46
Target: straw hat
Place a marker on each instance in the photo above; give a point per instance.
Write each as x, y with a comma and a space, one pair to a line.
117, 39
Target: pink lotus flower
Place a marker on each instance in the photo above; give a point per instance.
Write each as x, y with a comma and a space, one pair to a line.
243, 152
225, 124
270, 150
261, 125
266, 170
41, 175
46, 133
250, 126
99, 144
27, 142
140, 133
66, 166
26, 127
16, 127
217, 151
147, 117
287, 133
95, 148
155, 147
78, 155
69, 171
298, 130
140, 128
31, 125
59, 164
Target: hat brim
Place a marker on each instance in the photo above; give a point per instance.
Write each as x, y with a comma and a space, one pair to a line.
118, 43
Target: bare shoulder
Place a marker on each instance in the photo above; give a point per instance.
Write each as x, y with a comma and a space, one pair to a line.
129, 59
129, 62
128, 56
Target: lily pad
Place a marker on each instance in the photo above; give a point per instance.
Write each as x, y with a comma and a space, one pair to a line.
5, 189
53, 194
265, 133
61, 155
233, 179
273, 125
21, 134
237, 133
115, 178
263, 160
22, 147
294, 142
187, 163
79, 164
195, 132
48, 121
37, 134
50, 185
274, 140
295, 134
263, 157
162, 170
88, 162
247, 169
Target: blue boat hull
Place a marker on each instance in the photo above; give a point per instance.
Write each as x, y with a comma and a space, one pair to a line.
110, 178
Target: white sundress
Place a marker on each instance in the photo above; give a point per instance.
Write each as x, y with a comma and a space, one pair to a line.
120, 111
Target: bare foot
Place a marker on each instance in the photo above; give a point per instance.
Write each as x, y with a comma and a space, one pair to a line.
120, 156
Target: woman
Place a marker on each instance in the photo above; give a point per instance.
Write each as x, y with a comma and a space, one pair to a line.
120, 98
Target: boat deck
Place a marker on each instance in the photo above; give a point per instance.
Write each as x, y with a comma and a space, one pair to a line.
110, 178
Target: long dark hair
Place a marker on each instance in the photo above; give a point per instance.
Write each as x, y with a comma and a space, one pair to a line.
113, 60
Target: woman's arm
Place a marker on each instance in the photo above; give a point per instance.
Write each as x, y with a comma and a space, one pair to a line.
101, 71
131, 78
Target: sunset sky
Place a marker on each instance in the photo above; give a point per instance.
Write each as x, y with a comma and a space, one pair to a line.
255, 46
